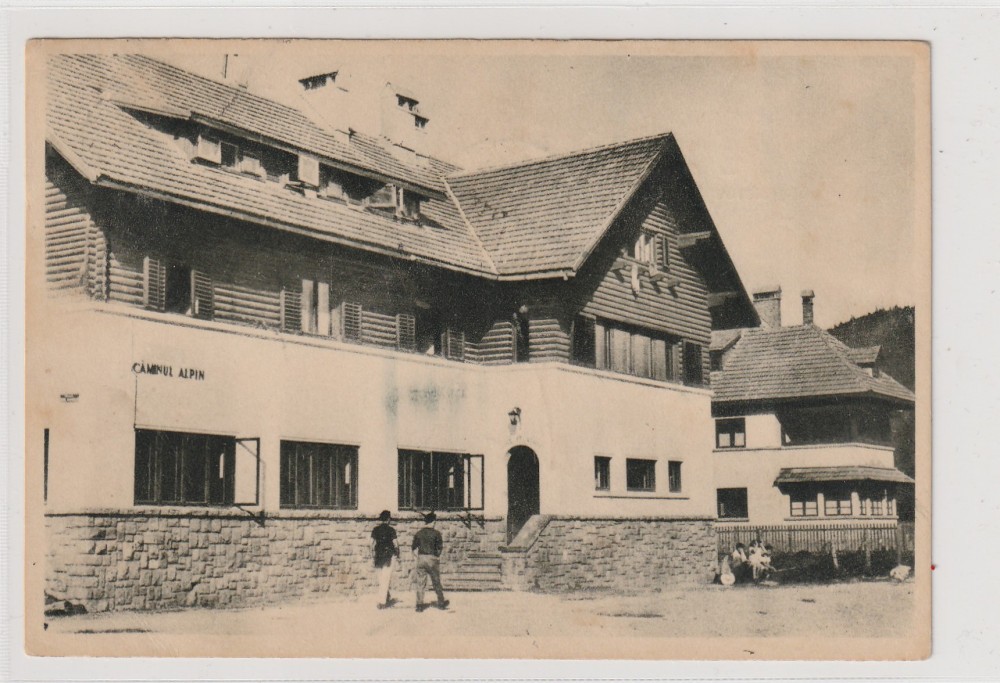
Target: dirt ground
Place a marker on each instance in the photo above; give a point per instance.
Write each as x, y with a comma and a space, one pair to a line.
339, 627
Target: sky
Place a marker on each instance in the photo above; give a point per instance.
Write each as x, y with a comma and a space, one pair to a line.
806, 157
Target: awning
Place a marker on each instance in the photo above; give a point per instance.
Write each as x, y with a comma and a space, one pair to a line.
799, 475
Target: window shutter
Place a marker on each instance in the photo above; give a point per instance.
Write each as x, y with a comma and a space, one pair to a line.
661, 254
291, 311
209, 150
308, 170
352, 321
406, 331
455, 344
203, 295
154, 284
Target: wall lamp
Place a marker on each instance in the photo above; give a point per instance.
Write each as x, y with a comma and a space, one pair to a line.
515, 416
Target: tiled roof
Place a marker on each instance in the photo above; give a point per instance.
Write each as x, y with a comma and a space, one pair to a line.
115, 148
546, 215
797, 475
723, 339
796, 362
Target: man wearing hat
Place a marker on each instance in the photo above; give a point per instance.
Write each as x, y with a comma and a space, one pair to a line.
427, 547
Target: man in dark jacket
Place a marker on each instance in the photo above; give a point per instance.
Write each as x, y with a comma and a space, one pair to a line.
427, 547
384, 548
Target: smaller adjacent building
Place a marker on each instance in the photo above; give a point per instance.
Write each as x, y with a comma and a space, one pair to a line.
802, 425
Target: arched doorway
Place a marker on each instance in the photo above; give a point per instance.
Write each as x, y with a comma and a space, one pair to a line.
522, 489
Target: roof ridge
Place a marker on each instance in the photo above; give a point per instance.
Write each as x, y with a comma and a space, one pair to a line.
556, 156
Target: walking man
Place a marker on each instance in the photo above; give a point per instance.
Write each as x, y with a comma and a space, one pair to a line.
427, 547
384, 548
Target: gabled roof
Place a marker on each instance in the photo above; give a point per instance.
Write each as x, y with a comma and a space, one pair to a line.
546, 215
109, 145
800, 475
796, 362
722, 340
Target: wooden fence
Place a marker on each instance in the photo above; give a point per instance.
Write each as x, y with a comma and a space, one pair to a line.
817, 538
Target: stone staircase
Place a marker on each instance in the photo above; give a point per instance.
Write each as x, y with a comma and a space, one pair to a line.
479, 571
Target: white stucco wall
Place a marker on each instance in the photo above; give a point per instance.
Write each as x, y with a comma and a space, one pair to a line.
262, 384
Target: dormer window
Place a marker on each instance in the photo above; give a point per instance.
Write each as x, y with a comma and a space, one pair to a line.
383, 198
307, 171
408, 206
229, 155
250, 164
420, 122
208, 149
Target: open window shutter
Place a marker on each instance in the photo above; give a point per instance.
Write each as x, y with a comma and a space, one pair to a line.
308, 170
455, 344
246, 485
473, 482
406, 331
154, 283
383, 198
660, 252
291, 311
209, 150
202, 294
352, 321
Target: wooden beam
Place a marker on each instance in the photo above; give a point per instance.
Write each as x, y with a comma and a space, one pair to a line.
686, 240
719, 298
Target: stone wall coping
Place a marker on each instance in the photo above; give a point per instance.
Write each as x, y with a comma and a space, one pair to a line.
254, 515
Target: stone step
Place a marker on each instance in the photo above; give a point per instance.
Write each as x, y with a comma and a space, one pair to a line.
458, 584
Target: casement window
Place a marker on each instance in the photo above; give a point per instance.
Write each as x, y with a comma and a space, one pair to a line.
674, 483
180, 468
634, 352
651, 250
640, 475
440, 481
383, 198
177, 288
837, 503
408, 205
602, 473
584, 341
229, 155
804, 503
731, 433
522, 338
250, 165
319, 475
732, 503
429, 331
315, 308
692, 364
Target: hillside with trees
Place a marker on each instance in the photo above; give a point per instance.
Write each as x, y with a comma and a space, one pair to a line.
893, 330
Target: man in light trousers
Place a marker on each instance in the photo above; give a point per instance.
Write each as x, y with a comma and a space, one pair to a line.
427, 547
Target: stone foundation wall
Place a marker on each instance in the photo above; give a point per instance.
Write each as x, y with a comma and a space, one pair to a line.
163, 559
615, 554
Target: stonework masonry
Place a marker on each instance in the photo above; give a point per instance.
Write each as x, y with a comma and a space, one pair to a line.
614, 554
157, 560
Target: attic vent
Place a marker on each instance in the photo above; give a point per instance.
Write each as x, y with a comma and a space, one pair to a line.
318, 81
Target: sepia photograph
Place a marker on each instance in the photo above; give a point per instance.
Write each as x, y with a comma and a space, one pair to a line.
478, 349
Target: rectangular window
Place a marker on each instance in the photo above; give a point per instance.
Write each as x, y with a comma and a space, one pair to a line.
732, 503
602, 473
440, 481
208, 149
250, 164
640, 475
584, 351
837, 503
731, 433
619, 350
804, 504
522, 337
319, 475
674, 476
692, 364
307, 171
177, 298
229, 155
315, 312
179, 468
641, 356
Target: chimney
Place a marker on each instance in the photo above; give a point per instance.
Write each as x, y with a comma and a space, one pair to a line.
404, 119
330, 104
767, 301
807, 306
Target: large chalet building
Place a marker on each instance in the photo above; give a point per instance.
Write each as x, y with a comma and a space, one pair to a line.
260, 329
